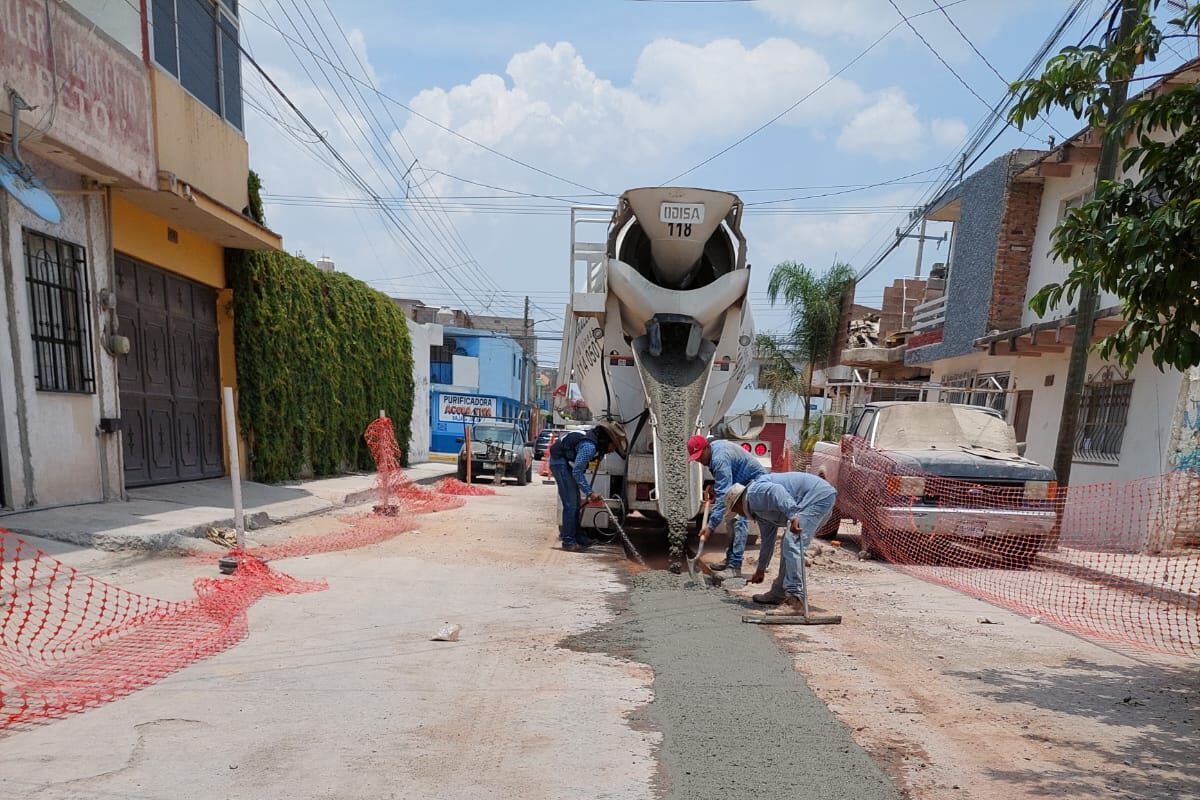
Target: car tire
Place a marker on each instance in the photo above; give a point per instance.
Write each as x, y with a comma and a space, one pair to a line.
462, 473
522, 477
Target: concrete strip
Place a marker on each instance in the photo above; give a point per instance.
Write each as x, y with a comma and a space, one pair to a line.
736, 718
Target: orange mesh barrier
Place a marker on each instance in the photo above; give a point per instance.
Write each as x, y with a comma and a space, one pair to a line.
454, 486
1118, 562
69, 642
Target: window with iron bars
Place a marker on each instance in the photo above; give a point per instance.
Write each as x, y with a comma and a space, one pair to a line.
56, 273
1103, 411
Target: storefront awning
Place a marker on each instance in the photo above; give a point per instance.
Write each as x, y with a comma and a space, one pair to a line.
183, 205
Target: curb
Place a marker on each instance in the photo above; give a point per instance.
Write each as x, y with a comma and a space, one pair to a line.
187, 537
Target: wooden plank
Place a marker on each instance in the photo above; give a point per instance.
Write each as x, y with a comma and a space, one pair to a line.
793, 619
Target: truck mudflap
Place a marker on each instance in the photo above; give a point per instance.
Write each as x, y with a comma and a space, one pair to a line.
966, 522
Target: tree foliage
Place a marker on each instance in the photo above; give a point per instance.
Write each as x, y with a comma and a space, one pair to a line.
815, 307
1139, 237
318, 355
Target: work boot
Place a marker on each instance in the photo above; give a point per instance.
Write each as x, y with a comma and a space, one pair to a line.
727, 573
584, 542
572, 547
792, 606
719, 565
769, 598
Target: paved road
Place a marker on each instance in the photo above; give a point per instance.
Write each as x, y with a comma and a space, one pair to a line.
341, 694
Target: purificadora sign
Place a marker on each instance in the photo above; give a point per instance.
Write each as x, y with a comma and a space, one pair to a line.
465, 407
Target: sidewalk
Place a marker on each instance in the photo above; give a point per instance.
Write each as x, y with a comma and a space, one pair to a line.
165, 517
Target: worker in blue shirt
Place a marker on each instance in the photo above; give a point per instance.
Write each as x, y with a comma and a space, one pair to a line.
569, 459
796, 501
729, 464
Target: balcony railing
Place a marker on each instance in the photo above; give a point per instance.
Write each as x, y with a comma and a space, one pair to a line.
929, 315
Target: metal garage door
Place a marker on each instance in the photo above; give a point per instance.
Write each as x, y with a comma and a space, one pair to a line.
170, 380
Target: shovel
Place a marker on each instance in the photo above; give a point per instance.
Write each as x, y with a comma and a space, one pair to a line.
691, 564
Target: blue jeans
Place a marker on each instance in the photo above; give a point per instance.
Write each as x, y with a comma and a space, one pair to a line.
811, 519
737, 542
568, 493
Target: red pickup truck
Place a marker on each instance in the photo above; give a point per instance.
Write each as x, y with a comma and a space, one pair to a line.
913, 472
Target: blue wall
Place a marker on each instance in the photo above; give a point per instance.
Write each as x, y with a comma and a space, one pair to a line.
500, 378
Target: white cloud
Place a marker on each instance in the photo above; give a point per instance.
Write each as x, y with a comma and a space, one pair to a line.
887, 129
891, 129
948, 132
552, 106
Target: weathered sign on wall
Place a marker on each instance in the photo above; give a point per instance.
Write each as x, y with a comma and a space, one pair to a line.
103, 110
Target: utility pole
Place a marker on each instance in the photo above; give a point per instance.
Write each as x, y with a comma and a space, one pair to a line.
527, 373
920, 247
1085, 314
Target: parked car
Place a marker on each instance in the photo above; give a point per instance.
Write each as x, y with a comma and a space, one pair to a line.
937, 470
543, 442
497, 446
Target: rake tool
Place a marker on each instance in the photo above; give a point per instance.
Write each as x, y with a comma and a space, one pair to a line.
795, 619
612, 517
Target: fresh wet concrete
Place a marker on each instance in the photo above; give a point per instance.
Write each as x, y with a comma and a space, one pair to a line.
736, 718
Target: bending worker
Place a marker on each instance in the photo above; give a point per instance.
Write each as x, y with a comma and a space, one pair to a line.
729, 464
796, 501
569, 459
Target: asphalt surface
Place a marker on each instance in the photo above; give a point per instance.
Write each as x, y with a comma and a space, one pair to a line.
736, 718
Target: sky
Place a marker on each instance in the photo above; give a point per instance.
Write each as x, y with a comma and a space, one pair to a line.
479, 124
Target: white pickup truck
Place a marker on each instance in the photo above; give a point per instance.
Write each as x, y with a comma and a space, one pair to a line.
926, 470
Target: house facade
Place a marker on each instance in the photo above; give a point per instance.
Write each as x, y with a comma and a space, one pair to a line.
474, 375
118, 330
985, 346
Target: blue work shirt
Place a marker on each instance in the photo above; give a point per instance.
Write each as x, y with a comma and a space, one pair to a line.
583, 456
730, 464
583, 449
781, 497
774, 500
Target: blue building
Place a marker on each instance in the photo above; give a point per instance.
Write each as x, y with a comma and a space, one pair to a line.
474, 375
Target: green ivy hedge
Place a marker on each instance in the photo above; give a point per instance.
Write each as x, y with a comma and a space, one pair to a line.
318, 355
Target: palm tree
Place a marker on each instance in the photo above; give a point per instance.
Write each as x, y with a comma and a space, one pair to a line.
778, 373
816, 308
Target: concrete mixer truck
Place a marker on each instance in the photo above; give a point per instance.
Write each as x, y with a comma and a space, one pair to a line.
659, 336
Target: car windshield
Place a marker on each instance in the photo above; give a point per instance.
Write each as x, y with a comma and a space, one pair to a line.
939, 426
494, 433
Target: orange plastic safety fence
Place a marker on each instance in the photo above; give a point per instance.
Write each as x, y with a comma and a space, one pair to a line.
389, 474
1116, 561
69, 642
453, 486
363, 530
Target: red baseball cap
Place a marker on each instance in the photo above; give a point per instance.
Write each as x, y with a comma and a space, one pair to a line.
696, 446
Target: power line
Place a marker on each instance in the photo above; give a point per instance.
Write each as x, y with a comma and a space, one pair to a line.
958, 164
383, 95
796, 104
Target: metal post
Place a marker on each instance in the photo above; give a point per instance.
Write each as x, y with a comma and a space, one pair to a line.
228, 564
467, 429
1085, 314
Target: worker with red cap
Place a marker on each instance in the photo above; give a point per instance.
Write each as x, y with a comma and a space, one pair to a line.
729, 464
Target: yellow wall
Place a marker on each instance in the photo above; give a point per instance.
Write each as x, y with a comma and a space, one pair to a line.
143, 235
197, 145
